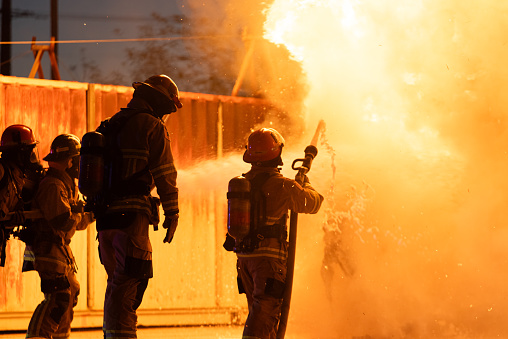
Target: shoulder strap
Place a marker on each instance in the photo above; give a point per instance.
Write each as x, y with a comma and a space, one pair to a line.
114, 124
111, 128
258, 200
257, 213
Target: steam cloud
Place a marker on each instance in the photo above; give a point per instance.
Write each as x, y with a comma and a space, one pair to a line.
413, 169
412, 94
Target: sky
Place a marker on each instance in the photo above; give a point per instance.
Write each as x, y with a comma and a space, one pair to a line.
83, 20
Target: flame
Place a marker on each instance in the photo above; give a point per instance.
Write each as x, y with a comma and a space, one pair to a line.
346, 56
412, 95
286, 20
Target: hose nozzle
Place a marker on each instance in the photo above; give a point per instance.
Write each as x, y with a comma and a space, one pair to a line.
310, 153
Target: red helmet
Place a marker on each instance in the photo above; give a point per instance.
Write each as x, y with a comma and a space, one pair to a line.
17, 137
162, 84
263, 145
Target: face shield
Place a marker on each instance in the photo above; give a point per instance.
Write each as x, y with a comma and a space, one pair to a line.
34, 156
28, 158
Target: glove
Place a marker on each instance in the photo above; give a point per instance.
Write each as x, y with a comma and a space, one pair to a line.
86, 219
79, 207
229, 243
302, 179
170, 223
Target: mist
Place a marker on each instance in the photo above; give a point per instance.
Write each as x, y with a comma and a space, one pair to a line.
412, 94
410, 241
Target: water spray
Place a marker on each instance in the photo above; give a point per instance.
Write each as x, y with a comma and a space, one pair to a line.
306, 163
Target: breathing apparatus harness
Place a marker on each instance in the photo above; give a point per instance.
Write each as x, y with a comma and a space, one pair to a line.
247, 230
99, 179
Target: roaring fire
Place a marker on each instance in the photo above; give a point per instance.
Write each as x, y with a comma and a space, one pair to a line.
348, 57
412, 93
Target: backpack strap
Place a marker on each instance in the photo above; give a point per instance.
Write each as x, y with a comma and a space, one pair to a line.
258, 201
110, 128
258, 229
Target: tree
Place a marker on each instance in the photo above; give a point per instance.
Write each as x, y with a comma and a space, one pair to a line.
195, 58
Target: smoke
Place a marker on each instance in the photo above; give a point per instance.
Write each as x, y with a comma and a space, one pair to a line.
212, 175
412, 94
410, 241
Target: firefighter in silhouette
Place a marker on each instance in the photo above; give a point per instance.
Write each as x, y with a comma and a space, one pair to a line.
19, 172
50, 253
140, 159
262, 253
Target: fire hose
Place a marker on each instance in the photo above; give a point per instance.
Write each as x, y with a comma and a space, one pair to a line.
306, 162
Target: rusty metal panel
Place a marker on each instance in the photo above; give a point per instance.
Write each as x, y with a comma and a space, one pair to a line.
193, 131
108, 100
49, 108
204, 129
191, 139
179, 125
239, 118
14, 284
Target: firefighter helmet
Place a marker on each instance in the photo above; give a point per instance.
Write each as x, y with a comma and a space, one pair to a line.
17, 137
164, 85
263, 145
63, 147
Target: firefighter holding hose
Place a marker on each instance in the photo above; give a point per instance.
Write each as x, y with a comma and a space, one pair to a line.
258, 205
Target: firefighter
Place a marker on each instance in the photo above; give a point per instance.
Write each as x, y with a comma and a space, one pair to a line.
58, 200
141, 160
19, 165
262, 254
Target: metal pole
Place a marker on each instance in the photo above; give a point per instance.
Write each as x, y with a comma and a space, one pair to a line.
243, 68
55, 75
5, 52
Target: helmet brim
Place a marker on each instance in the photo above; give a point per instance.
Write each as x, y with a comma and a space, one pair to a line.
175, 99
57, 157
51, 157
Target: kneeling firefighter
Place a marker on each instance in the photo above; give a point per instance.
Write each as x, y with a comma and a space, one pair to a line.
49, 251
258, 232
138, 158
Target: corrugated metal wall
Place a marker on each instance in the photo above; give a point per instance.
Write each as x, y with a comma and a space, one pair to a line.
195, 279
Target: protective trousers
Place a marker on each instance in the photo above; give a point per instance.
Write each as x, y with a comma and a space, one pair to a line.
262, 280
53, 317
126, 256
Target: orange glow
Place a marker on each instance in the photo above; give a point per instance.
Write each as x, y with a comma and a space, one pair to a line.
413, 167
